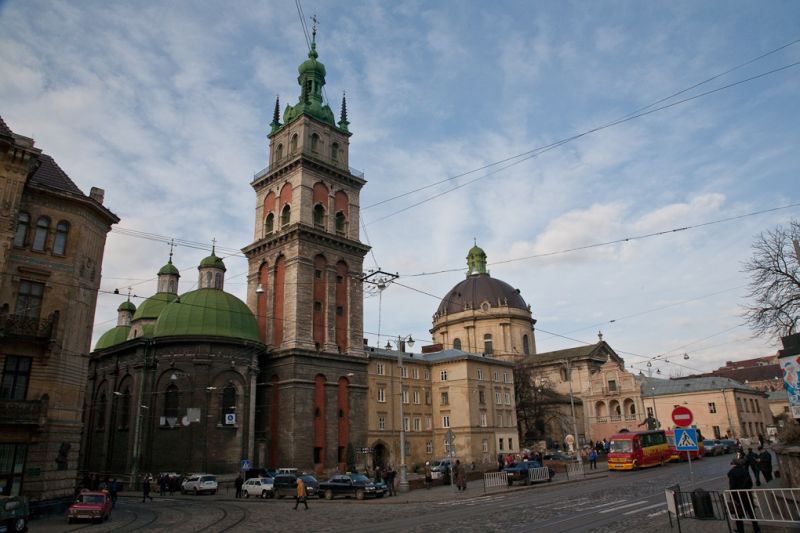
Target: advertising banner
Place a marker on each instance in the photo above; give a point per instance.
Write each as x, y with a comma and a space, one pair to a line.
790, 367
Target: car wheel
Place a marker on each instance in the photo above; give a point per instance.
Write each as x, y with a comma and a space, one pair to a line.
213, 492
635, 465
19, 524
264, 495
328, 494
196, 492
246, 494
359, 495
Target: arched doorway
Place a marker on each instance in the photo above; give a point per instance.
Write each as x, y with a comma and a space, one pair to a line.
380, 458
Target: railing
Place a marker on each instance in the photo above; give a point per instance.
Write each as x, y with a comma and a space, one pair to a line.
538, 474
698, 504
763, 505
21, 412
24, 326
495, 480
264, 171
576, 470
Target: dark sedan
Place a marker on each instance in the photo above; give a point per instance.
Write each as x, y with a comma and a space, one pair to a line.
312, 485
521, 472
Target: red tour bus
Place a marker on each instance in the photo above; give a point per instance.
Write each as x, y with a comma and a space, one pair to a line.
637, 449
675, 455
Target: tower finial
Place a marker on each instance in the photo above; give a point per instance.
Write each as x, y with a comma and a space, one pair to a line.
313, 52
276, 118
213, 245
171, 247
129, 294
343, 122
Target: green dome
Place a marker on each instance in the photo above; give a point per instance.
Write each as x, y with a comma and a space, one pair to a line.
312, 66
208, 312
212, 261
153, 306
127, 306
170, 269
147, 330
112, 337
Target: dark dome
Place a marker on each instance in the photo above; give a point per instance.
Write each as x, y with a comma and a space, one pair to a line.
479, 288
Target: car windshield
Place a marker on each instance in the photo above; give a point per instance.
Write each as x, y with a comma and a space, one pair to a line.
360, 478
91, 498
620, 446
309, 479
208, 478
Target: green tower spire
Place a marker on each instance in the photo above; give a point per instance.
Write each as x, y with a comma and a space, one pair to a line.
476, 261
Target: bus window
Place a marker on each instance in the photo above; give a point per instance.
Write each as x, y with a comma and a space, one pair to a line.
620, 446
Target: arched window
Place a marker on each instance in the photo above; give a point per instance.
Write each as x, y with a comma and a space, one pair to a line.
487, 344
23, 221
457, 343
228, 406
526, 349
335, 151
40, 237
269, 224
314, 142
286, 215
319, 216
125, 409
101, 411
293, 144
218, 281
208, 280
171, 401
340, 222
60, 242
279, 153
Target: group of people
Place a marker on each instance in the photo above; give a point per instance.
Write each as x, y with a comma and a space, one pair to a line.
386, 475
589, 455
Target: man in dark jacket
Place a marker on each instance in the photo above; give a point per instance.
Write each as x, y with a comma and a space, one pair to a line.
739, 480
765, 464
238, 484
751, 460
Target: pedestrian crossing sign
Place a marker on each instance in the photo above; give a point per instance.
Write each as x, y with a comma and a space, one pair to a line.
686, 439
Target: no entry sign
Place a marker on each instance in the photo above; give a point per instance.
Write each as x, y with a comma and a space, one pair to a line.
682, 416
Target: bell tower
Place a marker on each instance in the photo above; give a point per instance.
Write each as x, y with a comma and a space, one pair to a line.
304, 282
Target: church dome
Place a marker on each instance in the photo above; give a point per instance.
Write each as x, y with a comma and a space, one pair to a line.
169, 269
212, 261
477, 289
112, 337
127, 306
153, 306
207, 312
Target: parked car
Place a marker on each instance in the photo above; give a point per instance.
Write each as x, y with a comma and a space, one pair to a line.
728, 445
520, 472
284, 485
199, 483
558, 456
712, 448
90, 505
258, 487
312, 485
441, 469
14, 513
353, 485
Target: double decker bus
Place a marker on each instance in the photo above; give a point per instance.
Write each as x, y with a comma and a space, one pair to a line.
675, 455
637, 449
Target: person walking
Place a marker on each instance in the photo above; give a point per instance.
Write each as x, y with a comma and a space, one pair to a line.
739, 480
390, 475
751, 459
113, 492
238, 484
765, 464
461, 476
302, 495
146, 489
162, 485
428, 475
593, 460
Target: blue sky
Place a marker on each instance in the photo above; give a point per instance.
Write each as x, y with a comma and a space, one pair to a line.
166, 106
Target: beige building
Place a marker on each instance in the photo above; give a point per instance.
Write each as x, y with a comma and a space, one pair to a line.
468, 394
52, 239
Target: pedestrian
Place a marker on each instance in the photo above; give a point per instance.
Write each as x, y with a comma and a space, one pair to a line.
760, 440
751, 459
584, 455
378, 474
146, 489
302, 496
428, 475
390, 475
593, 460
113, 492
238, 484
500, 462
461, 476
739, 481
739, 449
765, 464
162, 485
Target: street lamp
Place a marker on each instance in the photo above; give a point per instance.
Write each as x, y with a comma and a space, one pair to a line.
401, 341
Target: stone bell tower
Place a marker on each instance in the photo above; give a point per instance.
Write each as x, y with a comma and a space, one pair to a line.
304, 285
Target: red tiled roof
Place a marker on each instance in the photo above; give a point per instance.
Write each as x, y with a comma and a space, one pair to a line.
49, 174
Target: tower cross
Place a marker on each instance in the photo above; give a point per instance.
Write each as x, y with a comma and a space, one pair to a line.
172, 245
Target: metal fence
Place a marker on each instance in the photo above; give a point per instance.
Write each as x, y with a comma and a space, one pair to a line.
495, 480
538, 474
698, 504
576, 470
763, 505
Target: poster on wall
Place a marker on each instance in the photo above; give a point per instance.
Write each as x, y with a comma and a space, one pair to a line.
790, 367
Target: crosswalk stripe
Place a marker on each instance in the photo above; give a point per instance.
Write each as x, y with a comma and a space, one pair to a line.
653, 515
622, 507
607, 504
645, 508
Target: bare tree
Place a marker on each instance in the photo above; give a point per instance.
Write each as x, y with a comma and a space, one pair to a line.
775, 282
539, 407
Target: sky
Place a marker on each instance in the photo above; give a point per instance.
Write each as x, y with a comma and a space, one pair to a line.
166, 106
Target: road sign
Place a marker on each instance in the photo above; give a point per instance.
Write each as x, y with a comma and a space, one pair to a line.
244, 465
686, 439
682, 416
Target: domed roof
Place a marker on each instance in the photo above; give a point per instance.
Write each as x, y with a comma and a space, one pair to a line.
209, 312
153, 306
479, 288
112, 337
169, 269
127, 306
212, 261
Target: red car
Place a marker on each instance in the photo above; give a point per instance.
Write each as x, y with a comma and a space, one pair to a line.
94, 506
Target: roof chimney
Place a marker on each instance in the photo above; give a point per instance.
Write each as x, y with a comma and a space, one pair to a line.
97, 194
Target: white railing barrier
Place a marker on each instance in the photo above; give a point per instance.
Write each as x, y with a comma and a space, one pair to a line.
763, 505
575, 470
494, 480
538, 474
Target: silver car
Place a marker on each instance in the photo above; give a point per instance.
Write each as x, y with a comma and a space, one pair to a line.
199, 483
258, 487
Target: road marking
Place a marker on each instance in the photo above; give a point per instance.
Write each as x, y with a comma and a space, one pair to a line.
645, 508
653, 515
573, 503
607, 504
623, 507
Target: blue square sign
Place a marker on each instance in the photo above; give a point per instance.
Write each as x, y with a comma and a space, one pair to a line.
686, 439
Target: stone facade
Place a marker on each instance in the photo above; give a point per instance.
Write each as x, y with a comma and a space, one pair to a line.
51, 254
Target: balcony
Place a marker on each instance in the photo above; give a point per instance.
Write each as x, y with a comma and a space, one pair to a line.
21, 412
27, 327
